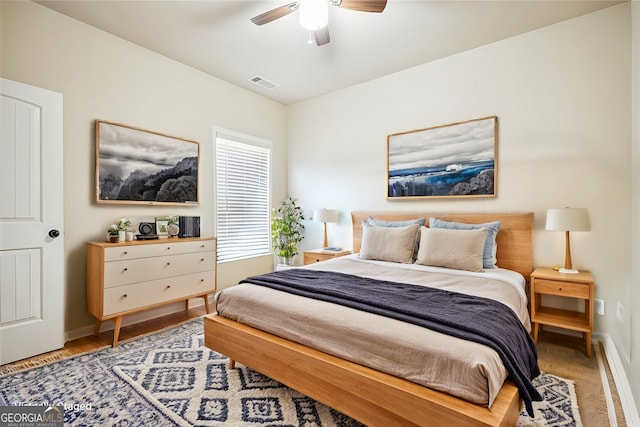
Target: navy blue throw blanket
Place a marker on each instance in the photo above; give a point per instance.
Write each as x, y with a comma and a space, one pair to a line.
469, 317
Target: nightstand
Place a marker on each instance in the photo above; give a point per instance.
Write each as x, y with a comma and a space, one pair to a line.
547, 281
317, 255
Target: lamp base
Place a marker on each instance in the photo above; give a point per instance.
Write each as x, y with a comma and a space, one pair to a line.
568, 271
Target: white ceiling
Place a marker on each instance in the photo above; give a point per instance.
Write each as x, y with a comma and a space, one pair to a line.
217, 37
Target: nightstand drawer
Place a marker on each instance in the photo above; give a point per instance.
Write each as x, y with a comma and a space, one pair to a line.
564, 289
311, 257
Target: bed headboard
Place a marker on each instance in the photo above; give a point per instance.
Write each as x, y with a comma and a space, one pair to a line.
514, 239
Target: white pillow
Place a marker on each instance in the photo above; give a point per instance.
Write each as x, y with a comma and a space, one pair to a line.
395, 244
459, 249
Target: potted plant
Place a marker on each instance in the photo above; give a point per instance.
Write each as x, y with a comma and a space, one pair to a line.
114, 233
286, 230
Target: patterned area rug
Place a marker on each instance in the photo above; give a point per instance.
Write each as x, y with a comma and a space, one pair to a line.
170, 378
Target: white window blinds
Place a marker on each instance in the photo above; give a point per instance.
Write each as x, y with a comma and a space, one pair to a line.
242, 197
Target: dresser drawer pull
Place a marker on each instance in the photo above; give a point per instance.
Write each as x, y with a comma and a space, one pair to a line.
125, 269
168, 263
168, 287
125, 253
168, 248
124, 296
201, 259
202, 246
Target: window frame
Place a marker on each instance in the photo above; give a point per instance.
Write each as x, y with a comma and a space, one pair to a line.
220, 133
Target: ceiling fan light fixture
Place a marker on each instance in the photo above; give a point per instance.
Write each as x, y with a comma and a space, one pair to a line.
313, 14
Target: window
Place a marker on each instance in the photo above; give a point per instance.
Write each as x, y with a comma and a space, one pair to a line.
243, 176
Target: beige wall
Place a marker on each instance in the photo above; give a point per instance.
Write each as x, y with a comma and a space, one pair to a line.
562, 97
634, 368
104, 77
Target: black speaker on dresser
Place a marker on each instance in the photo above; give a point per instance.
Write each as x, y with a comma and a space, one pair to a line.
189, 226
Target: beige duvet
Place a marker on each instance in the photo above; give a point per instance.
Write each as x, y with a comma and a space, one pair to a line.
462, 368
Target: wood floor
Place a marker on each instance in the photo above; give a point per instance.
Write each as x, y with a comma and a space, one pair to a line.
104, 339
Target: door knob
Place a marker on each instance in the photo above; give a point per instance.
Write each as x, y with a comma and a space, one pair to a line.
54, 233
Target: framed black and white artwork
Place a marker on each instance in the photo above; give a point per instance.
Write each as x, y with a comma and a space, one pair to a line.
137, 166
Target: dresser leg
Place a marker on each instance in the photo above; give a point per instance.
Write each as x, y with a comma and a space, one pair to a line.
587, 338
206, 303
116, 330
232, 364
97, 329
186, 305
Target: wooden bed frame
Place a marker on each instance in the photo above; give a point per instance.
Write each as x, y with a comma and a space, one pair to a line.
372, 397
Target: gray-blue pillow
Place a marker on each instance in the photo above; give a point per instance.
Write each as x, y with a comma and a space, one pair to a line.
383, 223
489, 252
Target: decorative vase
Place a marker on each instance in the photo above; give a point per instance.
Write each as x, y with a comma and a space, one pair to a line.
114, 238
122, 236
129, 236
285, 261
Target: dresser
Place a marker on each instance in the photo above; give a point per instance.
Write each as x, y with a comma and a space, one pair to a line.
125, 278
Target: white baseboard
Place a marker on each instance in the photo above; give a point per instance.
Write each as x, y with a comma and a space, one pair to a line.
627, 402
134, 318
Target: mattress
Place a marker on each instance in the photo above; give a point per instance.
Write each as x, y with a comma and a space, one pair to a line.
464, 369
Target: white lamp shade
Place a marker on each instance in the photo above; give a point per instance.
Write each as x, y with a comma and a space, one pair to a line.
325, 215
568, 219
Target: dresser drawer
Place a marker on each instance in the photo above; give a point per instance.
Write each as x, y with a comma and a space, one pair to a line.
139, 295
118, 273
565, 289
170, 247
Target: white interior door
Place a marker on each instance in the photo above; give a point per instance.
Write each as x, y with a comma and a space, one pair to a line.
31, 221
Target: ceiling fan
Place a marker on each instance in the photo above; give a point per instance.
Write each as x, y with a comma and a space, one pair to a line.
314, 14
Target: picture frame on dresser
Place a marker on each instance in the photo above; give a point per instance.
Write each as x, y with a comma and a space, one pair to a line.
446, 161
161, 226
138, 166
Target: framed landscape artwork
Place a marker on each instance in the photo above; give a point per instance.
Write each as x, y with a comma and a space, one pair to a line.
452, 160
136, 166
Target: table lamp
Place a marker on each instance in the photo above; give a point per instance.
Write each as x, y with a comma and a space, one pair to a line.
567, 219
325, 216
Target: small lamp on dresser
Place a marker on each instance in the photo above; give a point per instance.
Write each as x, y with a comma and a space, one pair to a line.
567, 219
324, 216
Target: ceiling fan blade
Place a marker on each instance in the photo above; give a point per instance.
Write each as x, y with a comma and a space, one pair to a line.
376, 6
273, 14
321, 36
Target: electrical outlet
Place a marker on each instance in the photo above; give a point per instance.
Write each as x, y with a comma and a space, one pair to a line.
620, 312
598, 306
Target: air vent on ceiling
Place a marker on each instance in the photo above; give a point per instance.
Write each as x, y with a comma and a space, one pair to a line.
264, 83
